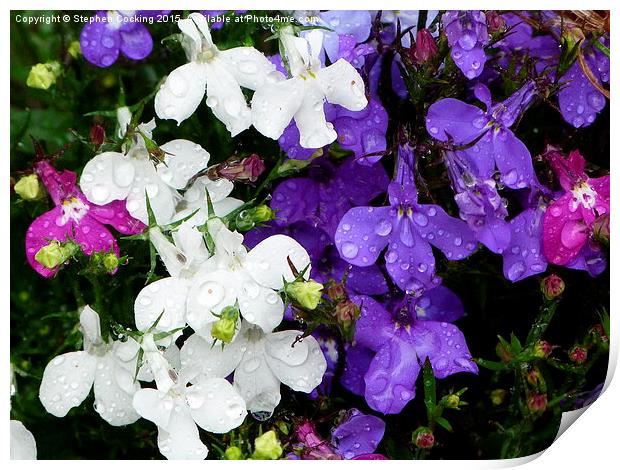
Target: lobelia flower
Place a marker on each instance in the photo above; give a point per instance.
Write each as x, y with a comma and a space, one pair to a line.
177, 409
568, 221
261, 360
114, 176
219, 74
68, 378
302, 97
453, 120
407, 228
109, 33
74, 218
467, 35
22, 443
402, 340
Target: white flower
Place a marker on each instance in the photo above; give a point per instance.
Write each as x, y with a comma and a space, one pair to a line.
302, 97
68, 378
23, 445
176, 409
261, 361
221, 73
250, 278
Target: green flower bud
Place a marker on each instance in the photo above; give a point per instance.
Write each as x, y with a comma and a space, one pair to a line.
262, 213
452, 401
110, 262
43, 76
224, 328
423, 438
29, 188
267, 447
74, 49
305, 293
498, 396
54, 254
233, 453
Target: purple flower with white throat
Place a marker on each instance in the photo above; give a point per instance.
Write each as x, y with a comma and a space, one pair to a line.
407, 228
401, 338
467, 35
453, 120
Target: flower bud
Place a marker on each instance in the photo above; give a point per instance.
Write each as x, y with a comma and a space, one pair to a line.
336, 291
542, 349
306, 293
497, 396
537, 403
233, 453
347, 311
262, 213
533, 377
552, 287
425, 46
55, 253
110, 262
267, 447
452, 401
247, 219
423, 438
43, 76
29, 188
598, 332
600, 229
578, 355
503, 353
495, 22
97, 135
224, 329
247, 169
74, 49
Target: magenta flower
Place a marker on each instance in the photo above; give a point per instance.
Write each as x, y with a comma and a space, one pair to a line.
567, 226
74, 219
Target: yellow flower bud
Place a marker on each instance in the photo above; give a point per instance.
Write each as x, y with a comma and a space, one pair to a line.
305, 293
267, 447
43, 76
53, 255
74, 49
452, 401
233, 453
29, 188
110, 262
224, 330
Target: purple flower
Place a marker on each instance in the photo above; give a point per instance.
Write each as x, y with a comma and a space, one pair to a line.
401, 338
523, 257
74, 218
467, 35
407, 228
109, 33
452, 119
357, 434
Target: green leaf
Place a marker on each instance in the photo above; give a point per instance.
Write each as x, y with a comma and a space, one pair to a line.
443, 422
430, 392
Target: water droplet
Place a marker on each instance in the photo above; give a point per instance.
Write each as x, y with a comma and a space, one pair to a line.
99, 193
420, 219
516, 270
58, 360
349, 250
383, 228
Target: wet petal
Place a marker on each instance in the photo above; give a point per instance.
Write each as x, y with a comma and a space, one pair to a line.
250, 67
107, 177
260, 305
358, 435
136, 41
112, 401
451, 235
49, 226
563, 235
255, 381
161, 196
274, 104
99, 43
167, 296
362, 234
115, 214
314, 130
22, 445
295, 200
94, 237
471, 62
183, 160
375, 325
181, 93
357, 361
412, 268
523, 257
439, 304
451, 118
215, 405
153, 405
579, 100
342, 84
214, 360
513, 160
180, 439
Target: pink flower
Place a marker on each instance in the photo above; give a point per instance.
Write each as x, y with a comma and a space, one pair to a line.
568, 222
74, 219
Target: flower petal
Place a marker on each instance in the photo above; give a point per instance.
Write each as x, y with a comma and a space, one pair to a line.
439, 304
579, 100
452, 118
358, 435
563, 237
215, 405
180, 440
208, 295
48, 226
136, 41
107, 177
301, 366
260, 305
256, 383
67, 380
92, 237
412, 268
375, 326
99, 43
115, 213
154, 405
523, 257
161, 196
267, 262
91, 329
181, 93
167, 296
183, 160
22, 446
451, 235
342, 84
112, 401
314, 130
214, 360
513, 160
249, 66
290, 205
274, 104
357, 361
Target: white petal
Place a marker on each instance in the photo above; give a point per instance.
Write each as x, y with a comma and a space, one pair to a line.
67, 380
203, 27
107, 177
183, 160
296, 50
260, 305
315, 41
91, 328
274, 104
191, 242
256, 382
192, 41
166, 295
215, 405
161, 196
209, 294
180, 439
226, 206
215, 361
225, 98
123, 116
267, 262
181, 93
173, 257
23, 445
343, 85
112, 401
314, 130
218, 190
301, 369
171, 356
154, 405
250, 67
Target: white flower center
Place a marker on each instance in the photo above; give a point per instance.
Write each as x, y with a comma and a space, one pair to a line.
584, 195
73, 209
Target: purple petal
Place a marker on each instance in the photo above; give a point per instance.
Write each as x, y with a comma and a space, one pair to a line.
362, 233
390, 380
48, 226
494, 233
444, 345
358, 435
356, 364
411, 267
471, 62
512, 158
369, 280
482, 92
295, 200
398, 82
451, 118
136, 41
564, 233
375, 325
451, 235
115, 214
579, 100
100, 44
523, 257
439, 304
360, 184
289, 143
590, 259
515, 105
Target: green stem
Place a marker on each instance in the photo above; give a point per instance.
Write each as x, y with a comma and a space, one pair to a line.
542, 321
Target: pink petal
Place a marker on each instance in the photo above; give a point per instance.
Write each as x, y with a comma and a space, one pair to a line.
116, 215
42, 230
60, 185
94, 236
561, 245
